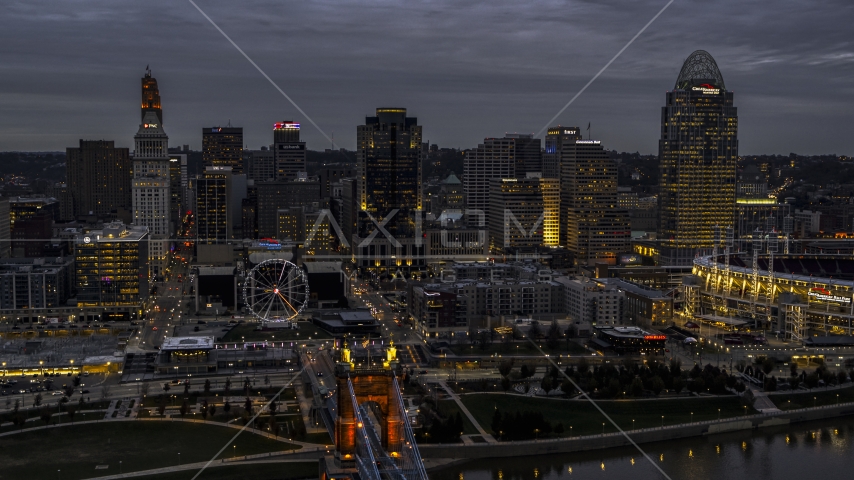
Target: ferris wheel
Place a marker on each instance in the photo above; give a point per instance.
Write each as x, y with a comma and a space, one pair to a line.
275, 290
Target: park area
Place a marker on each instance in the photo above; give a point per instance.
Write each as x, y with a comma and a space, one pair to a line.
580, 417
92, 450
249, 333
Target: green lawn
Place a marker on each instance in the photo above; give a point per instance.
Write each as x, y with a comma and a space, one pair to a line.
76, 450
448, 408
519, 348
818, 397
585, 419
248, 333
56, 419
272, 471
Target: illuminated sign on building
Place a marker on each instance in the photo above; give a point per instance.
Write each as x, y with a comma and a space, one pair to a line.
707, 89
216, 129
291, 146
286, 126
270, 244
591, 142
87, 240
824, 295
570, 132
149, 125
655, 337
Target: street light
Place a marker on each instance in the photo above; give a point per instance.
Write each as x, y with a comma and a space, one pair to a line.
662, 421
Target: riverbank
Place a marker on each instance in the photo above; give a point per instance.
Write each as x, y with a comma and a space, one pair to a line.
645, 435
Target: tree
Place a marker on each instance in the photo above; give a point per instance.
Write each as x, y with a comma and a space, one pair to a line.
227, 386
207, 387
583, 366
547, 384
505, 367
38, 399
212, 410
841, 377
185, 407
273, 425
794, 382
247, 405
505, 384
553, 336
768, 365
793, 368
186, 387
267, 381
484, 340
45, 415
273, 408
534, 332
166, 387
226, 407
678, 384
161, 407
559, 428
811, 381
636, 388
567, 387
70, 411
105, 392
740, 387
144, 389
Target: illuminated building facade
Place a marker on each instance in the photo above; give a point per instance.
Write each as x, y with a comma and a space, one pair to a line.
556, 138
112, 265
288, 151
495, 158
800, 295
593, 226
178, 204
697, 154
388, 153
516, 214
99, 177
223, 147
151, 185
213, 218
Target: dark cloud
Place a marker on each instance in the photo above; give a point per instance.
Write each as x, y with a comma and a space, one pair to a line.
468, 70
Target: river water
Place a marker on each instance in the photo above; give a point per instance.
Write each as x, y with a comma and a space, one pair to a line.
801, 451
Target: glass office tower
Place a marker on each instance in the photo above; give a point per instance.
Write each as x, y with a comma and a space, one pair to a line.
698, 151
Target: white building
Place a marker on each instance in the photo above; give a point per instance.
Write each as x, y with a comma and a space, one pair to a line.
590, 301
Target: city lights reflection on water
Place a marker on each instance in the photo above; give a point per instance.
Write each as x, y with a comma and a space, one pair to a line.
794, 452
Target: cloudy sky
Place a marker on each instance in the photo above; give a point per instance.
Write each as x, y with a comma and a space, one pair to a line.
468, 70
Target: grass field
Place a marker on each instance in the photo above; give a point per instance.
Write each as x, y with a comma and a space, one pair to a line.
585, 419
448, 408
247, 332
818, 397
77, 450
272, 471
518, 348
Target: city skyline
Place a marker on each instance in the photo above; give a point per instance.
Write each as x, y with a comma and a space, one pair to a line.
464, 84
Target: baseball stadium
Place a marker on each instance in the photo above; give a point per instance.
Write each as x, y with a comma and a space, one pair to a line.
799, 297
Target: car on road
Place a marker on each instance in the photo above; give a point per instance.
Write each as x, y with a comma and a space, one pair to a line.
154, 329
319, 374
56, 393
84, 391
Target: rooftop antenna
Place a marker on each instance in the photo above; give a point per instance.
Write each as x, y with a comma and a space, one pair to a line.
229, 123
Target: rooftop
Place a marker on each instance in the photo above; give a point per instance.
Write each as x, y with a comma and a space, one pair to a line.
187, 343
